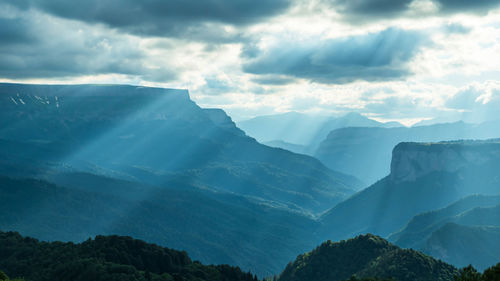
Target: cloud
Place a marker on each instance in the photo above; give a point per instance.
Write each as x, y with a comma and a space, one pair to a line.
369, 9
478, 101
37, 46
172, 18
275, 80
466, 6
456, 28
371, 57
15, 31
465, 98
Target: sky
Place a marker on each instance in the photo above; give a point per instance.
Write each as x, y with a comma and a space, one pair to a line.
403, 60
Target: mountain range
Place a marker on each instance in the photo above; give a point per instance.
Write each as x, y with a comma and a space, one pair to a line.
430, 186
304, 131
149, 162
84, 160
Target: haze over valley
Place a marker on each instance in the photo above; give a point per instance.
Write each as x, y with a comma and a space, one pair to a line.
215, 140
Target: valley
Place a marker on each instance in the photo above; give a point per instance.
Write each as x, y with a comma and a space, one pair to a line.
151, 164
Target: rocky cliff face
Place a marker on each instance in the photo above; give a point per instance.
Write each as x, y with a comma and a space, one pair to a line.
413, 160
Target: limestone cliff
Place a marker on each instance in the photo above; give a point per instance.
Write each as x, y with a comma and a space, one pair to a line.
413, 160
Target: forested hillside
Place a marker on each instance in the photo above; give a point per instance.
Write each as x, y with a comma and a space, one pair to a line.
366, 256
105, 258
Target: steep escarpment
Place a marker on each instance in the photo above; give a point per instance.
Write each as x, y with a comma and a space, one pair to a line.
413, 160
347, 149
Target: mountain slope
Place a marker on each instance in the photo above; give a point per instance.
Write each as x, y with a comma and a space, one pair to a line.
365, 256
212, 227
149, 162
420, 227
463, 245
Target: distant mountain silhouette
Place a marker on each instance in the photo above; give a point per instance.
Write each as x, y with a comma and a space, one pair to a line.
420, 227
463, 233
303, 129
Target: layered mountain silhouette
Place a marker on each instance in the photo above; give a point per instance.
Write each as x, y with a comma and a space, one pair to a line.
462, 245
471, 210
424, 177
302, 133
465, 232
85, 160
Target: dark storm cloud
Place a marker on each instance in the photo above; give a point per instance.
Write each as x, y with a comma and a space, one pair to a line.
372, 57
34, 47
454, 6
14, 31
367, 9
371, 7
162, 18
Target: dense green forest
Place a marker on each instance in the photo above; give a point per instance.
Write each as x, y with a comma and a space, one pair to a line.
469, 273
366, 256
107, 258
122, 258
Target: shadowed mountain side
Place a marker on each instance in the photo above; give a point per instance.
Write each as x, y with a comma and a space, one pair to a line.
297, 148
420, 227
466, 232
463, 245
212, 227
413, 187
365, 256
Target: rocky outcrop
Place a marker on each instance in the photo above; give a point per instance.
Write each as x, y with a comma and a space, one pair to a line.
413, 160
221, 119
